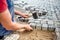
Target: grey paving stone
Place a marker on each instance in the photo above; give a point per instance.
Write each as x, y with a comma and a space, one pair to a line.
51, 29
43, 22
58, 33
33, 25
37, 22
50, 22
38, 26
44, 26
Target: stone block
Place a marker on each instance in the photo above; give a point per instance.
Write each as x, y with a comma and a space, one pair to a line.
44, 26
33, 25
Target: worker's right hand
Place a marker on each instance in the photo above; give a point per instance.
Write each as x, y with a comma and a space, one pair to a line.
27, 27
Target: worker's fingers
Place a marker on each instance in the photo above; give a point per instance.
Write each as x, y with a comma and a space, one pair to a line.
27, 27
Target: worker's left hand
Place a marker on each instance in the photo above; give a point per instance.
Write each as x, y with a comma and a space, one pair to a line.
25, 15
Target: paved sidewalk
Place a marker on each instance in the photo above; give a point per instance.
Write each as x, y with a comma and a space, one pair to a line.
52, 7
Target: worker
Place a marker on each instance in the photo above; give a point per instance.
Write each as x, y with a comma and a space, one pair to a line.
7, 24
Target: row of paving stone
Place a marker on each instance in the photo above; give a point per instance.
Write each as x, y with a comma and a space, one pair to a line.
44, 23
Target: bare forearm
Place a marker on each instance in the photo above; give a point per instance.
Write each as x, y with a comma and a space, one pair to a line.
17, 12
15, 26
5, 20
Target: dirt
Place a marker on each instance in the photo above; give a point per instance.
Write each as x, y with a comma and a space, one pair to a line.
37, 35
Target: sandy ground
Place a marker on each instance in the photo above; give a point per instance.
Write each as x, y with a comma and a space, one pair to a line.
37, 35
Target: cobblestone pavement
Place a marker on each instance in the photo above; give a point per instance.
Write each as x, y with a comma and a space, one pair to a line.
52, 19
52, 6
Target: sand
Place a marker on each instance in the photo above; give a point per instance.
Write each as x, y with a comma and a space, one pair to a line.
37, 35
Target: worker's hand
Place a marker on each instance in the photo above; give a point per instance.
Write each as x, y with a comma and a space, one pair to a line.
27, 27
24, 26
26, 15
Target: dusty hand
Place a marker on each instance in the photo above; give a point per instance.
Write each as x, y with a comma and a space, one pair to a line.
27, 27
26, 15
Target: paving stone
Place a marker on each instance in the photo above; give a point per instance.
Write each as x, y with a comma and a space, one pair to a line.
31, 21
33, 25
43, 21
58, 33
12, 37
44, 26
37, 21
50, 22
38, 26
51, 28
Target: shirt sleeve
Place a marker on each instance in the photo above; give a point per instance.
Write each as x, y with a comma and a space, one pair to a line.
3, 5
